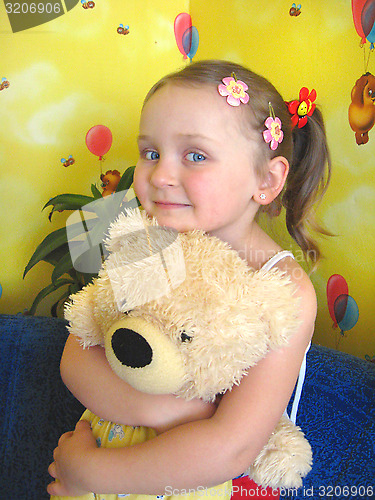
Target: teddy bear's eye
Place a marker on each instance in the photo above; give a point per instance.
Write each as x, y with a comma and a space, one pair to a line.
185, 337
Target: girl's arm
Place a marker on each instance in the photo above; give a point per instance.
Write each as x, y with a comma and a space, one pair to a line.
88, 375
201, 453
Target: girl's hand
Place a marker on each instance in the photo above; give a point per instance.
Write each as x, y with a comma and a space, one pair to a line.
73, 450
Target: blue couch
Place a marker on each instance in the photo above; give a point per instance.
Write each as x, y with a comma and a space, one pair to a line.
337, 414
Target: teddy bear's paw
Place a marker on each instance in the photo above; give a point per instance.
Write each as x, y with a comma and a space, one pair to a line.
285, 460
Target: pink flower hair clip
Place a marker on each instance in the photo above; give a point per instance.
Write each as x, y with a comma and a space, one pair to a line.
273, 135
234, 90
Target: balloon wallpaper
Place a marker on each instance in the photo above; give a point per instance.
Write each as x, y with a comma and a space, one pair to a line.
72, 83
99, 140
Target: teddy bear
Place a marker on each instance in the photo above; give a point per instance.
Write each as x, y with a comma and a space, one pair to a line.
110, 181
183, 313
362, 108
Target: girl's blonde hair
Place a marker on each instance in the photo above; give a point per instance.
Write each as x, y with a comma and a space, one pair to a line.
305, 148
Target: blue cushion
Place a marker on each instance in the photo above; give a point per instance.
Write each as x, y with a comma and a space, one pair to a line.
36, 408
337, 415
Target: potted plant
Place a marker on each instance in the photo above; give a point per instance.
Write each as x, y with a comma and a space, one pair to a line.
81, 239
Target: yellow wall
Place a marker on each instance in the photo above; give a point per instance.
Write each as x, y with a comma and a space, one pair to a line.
76, 71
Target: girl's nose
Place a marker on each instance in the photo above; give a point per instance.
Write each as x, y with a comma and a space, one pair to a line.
163, 174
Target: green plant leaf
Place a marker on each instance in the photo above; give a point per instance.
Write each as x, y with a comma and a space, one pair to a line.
50, 243
126, 180
54, 308
68, 202
88, 277
81, 279
54, 256
47, 291
89, 260
96, 193
63, 266
61, 300
74, 288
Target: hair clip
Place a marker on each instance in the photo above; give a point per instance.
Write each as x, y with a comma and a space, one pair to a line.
234, 90
303, 108
273, 135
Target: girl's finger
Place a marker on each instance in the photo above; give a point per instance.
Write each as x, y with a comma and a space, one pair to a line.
51, 488
52, 470
83, 424
65, 436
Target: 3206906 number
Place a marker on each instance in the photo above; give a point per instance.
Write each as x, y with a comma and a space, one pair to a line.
33, 8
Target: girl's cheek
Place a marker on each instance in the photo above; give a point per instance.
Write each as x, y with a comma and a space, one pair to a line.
139, 182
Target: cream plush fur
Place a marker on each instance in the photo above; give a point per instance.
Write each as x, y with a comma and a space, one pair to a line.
184, 314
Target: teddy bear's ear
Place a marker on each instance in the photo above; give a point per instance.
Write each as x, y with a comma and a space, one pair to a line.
79, 312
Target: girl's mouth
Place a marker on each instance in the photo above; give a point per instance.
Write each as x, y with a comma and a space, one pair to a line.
169, 204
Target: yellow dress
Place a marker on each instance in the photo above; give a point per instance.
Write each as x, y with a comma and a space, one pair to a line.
110, 435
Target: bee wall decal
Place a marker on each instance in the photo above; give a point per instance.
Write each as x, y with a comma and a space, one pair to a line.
123, 30
68, 162
295, 10
4, 84
87, 5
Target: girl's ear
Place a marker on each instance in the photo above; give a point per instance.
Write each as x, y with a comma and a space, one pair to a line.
270, 187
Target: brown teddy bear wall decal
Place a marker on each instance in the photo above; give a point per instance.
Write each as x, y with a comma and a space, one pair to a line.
362, 108
182, 313
110, 181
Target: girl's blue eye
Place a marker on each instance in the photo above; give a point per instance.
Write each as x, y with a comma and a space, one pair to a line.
195, 157
151, 155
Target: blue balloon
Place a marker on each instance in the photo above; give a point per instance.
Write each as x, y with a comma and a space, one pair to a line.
367, 19
194, 42
190, 41
371, 37
346, 311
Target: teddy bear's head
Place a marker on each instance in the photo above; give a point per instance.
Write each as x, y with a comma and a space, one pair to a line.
181, 313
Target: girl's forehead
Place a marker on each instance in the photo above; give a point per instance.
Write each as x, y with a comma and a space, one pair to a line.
186, 102
173, 88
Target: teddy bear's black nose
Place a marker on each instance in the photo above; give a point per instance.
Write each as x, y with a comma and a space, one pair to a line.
131, 349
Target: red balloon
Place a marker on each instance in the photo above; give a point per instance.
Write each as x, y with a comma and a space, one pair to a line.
99, 140
336, 286
357, 7
181, 24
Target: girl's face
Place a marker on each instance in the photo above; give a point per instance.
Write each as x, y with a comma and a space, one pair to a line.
195, 168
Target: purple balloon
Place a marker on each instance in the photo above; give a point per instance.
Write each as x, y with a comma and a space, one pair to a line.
368, 17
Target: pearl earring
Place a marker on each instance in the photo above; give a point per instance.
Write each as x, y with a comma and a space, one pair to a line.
262, 196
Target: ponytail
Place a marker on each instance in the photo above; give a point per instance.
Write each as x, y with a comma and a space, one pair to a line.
308, 178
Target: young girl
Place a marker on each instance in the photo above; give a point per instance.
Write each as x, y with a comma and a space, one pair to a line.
212, 155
